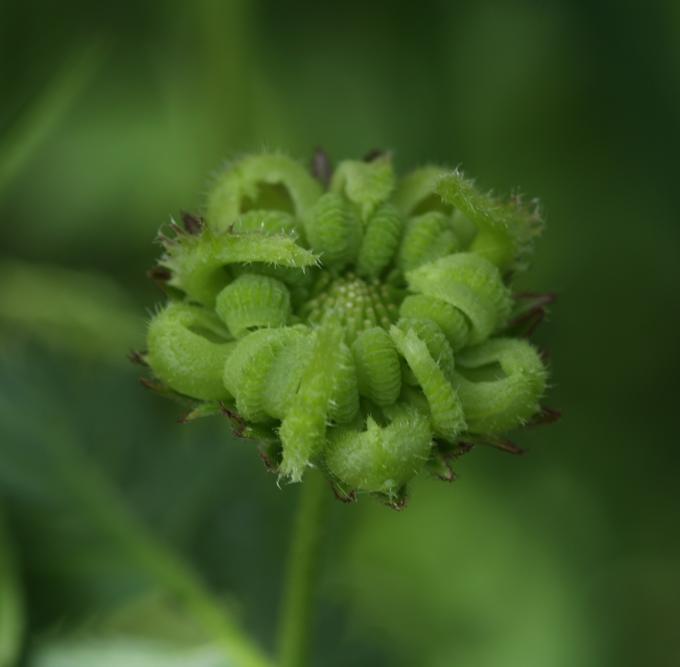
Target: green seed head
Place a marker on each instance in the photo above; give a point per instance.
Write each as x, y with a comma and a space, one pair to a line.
364, 327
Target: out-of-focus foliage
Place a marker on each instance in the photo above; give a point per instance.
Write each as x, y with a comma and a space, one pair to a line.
126, 653
11, 603
77, 311
565, 556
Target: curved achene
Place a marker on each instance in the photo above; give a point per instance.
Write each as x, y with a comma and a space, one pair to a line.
188, 348
262, 181
500, 383
446, 410
471, 284
380, 459
199, 264
253, 301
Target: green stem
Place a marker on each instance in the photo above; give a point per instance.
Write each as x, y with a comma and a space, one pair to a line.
12, 615
295, 622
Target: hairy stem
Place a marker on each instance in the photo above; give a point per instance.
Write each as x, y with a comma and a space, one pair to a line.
295, 622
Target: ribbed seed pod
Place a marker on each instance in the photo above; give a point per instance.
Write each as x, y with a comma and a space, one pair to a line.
303, 430
427, 237
345, 395
450, 320
446, 410
499, 383
471, 284
188, 347
380, 241
198, 264
253, 301
333, 230
378, 367
264, 181
365, 184
285, 374
505, 229
380, 459
252, 368
437, 344
417, 191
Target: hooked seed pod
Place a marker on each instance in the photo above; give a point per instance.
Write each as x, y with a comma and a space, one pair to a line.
381, 459
188, 348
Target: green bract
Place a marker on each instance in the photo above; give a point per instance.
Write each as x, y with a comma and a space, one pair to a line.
363, 328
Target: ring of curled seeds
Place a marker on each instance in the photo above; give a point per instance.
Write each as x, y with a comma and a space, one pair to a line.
350, 320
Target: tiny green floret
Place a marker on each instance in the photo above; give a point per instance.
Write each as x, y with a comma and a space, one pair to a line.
362, 328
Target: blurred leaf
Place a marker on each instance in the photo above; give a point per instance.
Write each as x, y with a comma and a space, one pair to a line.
458, 579
92, 539
126, 652
149, 632
46, 111
84, 313
11, 605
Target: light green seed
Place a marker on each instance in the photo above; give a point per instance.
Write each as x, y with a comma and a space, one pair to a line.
450, 320
427, 237
380, 459
380, 242
378, 366
333, 230
199, 263
470, 283
500, 383
268, 181
303, 430
188, 347
446, 410
365, 184
251, 302
252, 369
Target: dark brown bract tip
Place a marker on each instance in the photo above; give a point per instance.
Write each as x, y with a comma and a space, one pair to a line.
374, 154
192, 223
138, 358
321, 167
503, 444
546, 416
346, 497
159, 274
399, 502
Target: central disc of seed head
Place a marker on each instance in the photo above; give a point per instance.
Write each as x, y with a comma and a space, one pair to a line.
355, 303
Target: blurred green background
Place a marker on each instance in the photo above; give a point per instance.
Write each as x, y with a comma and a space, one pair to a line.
122, 527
